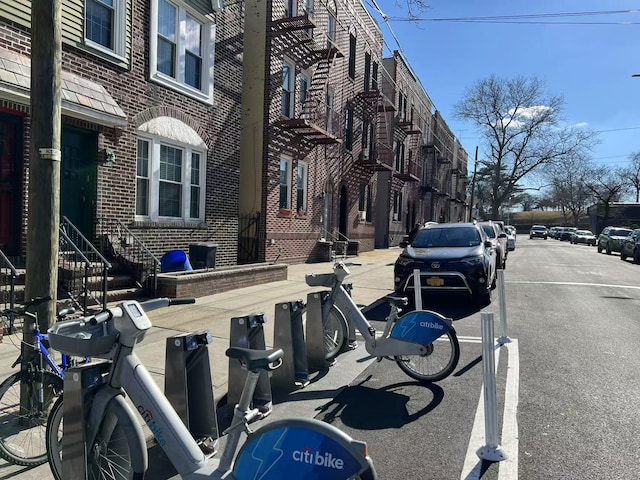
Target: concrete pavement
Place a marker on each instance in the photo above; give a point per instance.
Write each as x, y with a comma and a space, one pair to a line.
371, 276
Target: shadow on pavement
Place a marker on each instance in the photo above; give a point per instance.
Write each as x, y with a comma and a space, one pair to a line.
366, 408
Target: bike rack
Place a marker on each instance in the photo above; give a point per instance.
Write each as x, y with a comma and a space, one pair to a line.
289, 336
248, 332
78, 381
188, 385
315, 333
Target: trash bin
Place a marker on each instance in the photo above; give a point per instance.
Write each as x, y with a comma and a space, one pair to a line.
175, 261
203, 254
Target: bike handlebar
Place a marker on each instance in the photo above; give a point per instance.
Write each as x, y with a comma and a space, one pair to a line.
147, 306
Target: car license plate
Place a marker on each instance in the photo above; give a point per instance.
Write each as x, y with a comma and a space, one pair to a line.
435, 281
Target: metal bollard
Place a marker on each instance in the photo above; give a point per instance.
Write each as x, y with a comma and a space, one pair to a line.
248, 332
188, 385
491, 451
503, 309
289, 336
417, 289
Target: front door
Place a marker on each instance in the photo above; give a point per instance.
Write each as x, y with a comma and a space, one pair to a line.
10, 183
78, 178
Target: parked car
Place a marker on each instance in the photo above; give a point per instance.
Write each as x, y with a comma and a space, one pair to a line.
498, 238
454, 257
554, 232
511, 237
631, 246
610, 239
566, 233
583, 236
538, 231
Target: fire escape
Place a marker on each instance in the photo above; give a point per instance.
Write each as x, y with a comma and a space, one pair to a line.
411, 168
315, 123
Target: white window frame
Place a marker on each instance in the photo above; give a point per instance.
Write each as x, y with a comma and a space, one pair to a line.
154, 180
287, 161
205, 94
304, 179
119, 31
290, 88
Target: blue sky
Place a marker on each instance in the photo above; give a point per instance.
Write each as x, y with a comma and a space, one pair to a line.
589, 65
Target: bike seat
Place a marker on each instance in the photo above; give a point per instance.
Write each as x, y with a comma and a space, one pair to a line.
397, 301
255, 359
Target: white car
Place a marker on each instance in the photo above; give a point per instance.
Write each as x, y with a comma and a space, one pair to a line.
511, 237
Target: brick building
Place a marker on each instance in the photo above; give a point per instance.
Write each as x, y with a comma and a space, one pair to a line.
150, 125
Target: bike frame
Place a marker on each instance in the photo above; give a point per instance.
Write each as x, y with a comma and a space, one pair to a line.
42, 352
387, 345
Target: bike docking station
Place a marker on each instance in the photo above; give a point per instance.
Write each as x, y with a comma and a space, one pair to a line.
188, 386
248, 332
288, 334
79, 380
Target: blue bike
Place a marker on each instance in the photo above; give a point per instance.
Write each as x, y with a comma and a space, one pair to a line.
26, 397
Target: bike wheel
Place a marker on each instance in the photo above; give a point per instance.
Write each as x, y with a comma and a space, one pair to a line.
336, 332
113, 454
23, 425
439, 362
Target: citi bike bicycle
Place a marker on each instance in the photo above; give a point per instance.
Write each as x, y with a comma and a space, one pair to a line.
115, 447
27, 395
422, 343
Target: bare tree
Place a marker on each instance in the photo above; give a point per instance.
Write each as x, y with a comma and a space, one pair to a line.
607, 185
569, 182
632, 173
521, 129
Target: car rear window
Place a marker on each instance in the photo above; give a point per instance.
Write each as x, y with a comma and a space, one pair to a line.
619, 232
489, 230
446, 237
538, 228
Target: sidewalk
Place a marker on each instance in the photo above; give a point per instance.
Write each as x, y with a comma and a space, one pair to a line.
371, 276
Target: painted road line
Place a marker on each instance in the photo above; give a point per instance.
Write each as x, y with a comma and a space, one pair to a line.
510, 443
574, 284
508, 469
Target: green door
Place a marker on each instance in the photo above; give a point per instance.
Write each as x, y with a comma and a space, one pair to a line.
78, 178
10, 183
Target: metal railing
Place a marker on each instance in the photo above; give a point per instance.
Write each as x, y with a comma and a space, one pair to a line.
82, 270
8, 276
117, 240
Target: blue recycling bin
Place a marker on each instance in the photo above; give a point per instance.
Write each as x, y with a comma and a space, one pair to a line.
175, 261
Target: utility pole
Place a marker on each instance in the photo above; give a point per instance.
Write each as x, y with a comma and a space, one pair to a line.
44, 160
473, 184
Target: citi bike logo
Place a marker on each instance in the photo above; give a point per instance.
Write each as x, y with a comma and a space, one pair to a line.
308, 455
153, 426
434, 325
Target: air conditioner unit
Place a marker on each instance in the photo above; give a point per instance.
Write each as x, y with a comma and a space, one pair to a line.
362, 214
395, 217
217, 5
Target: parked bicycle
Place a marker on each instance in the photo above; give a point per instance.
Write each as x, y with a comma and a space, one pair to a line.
423, 343
115, 446
27, 396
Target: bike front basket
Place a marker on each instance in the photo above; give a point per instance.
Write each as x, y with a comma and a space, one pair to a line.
75, 337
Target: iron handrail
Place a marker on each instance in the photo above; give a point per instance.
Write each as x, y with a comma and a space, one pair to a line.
14, 274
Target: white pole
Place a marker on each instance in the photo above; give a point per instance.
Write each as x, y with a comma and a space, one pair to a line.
417, 289
491, 451
503, 309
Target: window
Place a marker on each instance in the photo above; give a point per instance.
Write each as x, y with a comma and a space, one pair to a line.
304, 90
285, 183
328, 103
104, 25
331, 28
362, 197
397, 206
348, 133
290, 8
374, 76
303, 175
367, 71
352, 56
169, 181
288, 89
182, 49
369, 203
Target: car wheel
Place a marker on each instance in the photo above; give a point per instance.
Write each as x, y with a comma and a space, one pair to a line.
622, 255
608, 249
636, 256
599, 248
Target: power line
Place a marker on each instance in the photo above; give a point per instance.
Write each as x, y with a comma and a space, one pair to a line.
519, 18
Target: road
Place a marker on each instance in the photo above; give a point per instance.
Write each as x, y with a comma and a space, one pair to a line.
574, 316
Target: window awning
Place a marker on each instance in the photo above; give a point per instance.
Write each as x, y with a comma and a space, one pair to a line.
81, 98
173, 129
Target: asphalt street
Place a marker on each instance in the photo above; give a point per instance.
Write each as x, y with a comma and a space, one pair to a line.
567, 384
